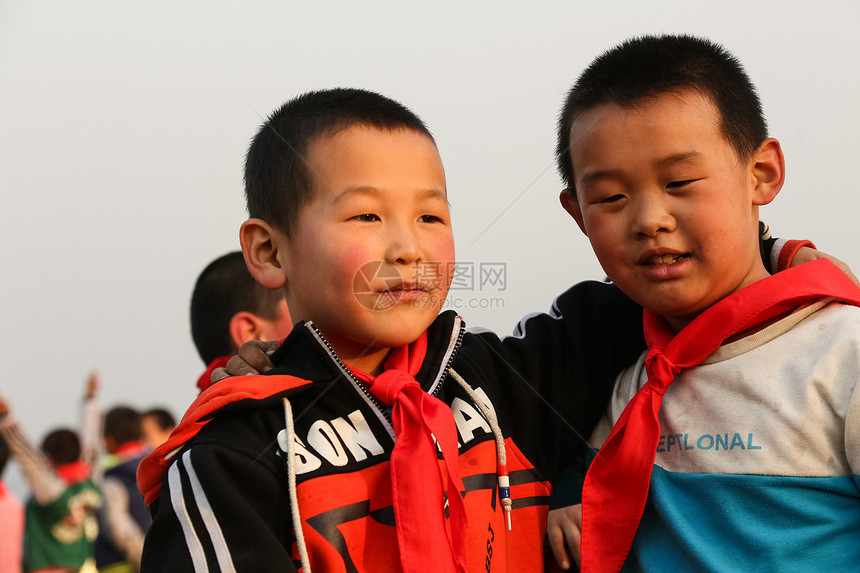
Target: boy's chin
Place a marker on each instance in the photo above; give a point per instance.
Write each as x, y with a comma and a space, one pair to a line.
391, 327
402, 334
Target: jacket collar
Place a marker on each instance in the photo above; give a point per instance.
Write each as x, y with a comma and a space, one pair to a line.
306, 354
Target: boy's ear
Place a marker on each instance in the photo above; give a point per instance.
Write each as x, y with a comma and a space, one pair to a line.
262, 246
571, 205
768, 168
244, 326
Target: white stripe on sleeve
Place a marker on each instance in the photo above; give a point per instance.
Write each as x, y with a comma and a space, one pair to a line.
225, 562
195, 548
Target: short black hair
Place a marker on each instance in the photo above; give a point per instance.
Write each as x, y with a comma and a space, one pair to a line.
278, 182
4, 454
162, 417
62, 446
643, 68
224, 288
122, 423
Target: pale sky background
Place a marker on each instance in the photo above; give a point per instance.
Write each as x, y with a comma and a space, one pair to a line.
123, 128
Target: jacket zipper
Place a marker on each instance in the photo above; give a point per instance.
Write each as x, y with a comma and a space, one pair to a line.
386, 410
457, 344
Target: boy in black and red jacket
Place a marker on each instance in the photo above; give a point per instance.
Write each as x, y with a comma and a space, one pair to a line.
294, 469
386, 437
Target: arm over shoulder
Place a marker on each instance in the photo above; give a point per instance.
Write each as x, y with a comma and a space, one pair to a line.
554, 376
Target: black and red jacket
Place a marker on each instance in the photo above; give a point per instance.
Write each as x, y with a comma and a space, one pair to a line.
220, 493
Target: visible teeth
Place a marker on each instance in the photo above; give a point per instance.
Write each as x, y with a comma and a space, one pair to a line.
665, 259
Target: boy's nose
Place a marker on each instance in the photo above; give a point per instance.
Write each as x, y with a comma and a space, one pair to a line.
652, 216
403, 247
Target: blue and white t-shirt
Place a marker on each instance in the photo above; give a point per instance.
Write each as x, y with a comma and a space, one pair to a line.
759, 454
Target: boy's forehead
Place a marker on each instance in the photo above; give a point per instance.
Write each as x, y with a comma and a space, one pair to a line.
365, 160
358, 163
429, 194
665, 115
362, 131
677, 102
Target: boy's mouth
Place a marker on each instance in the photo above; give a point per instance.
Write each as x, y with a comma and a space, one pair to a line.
405, 290
663, 259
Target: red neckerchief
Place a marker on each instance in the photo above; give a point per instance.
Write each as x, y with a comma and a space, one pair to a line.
616, 485
426, 539
130, 450
73, 472
205, 379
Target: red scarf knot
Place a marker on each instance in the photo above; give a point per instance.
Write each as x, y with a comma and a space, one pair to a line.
390, 383
661, 370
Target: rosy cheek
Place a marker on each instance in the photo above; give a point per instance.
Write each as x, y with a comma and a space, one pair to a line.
445, 257
447, 254
351, 258
443, 248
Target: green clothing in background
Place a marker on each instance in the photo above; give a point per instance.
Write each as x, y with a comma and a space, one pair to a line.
62, 532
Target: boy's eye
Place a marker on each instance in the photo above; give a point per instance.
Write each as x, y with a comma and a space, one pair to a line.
367, 217
612, 199
430, 219
678, 184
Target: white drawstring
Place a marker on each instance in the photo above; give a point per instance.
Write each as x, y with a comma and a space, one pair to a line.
294, 500
501, 453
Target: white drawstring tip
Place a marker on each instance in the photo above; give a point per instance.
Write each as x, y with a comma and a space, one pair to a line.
505, 495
